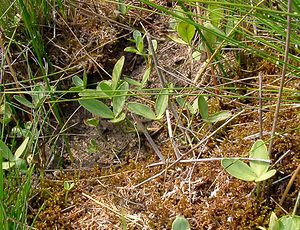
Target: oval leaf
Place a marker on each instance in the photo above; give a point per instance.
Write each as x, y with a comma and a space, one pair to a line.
21, 165
88, 93
96, 107
186, 31
203, 107
161, 103
141, 110
117, 72
177, 39
106, 88
146, 76
219, 116
266, 175
238, 169
120, 98
289, 222
7, 165
259, 150
77, 81
5, 152
24, 101
180, 223
21, 148
273, 223
131, 50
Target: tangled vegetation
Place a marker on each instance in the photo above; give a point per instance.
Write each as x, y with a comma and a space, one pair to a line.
149, 114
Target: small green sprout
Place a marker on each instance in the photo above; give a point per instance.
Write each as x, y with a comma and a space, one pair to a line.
180, 223
67, 188
14, 160
256, 170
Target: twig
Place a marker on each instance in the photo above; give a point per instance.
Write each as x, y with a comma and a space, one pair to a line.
6, 53
288, 187
214, 132
284, 68
213, 159
260, 120
164, 85
141, 128
112, 210
179, 159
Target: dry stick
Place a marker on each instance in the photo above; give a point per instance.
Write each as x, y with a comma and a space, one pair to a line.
288, 187
141, 127
164, 84
286, 56
179, 159
260, 120
214, 132
112, 210
12, 71
213, 159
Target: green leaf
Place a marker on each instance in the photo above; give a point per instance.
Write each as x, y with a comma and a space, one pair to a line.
5, 152
21, 165
259, 150
176, 39
88, 93
118, 119
24, 101
219, 116
38, 95
203, 107
161, 103
93, 122
97, 107
238, 169
146, 76
273, 223
132, 82
140, 44
120, 98
184, 104
77, 81
211, 33
180, 223
7, 164
266, 175
141, 110
117, 72
154, 44
105, 87
136, 35
196, 55
215, 14
186, 31
122, 7
6, 113
131, 50
21, 148
289, 222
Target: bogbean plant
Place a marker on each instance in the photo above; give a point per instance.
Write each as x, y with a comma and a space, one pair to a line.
258, 168
115, 91
211, 32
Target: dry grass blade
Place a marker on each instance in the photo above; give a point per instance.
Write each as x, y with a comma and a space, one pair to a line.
119, 214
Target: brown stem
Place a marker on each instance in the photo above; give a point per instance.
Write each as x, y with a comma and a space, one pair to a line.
284, 68
288, 187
